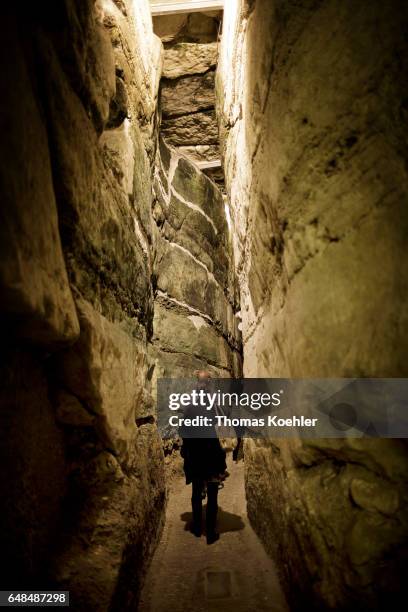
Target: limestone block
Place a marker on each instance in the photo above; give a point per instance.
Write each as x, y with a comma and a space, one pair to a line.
106, 370
168, 27
33, 276
117, 529
183, 278
86, 54
194, 324
70, 411
195, 187
189, 58
180, 365
347, 519
118, 109
192, 230
187, 94
120, 155
198, 128
190, 334
98, 222
201, 152
138, 60
375, 495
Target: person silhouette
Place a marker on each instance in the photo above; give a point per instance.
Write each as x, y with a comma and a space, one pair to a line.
204, 467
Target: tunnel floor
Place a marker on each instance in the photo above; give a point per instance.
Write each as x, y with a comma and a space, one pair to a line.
234, 573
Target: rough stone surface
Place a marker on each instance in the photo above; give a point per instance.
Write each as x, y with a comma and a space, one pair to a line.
310, 105
70, 411
81, 459
193, 335
87, 60
36, 298
195, 326
107, 357
169, 27
187, 95
192, 129
95, 218
189, 59
201, 152
111, 523
194, 27
343, 512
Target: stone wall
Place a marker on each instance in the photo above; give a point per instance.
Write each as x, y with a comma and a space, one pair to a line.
313, 128
81, 461
187, 89
187, 96
195, 324
197, 297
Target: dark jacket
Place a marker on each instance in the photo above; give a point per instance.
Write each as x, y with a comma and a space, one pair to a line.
204, 458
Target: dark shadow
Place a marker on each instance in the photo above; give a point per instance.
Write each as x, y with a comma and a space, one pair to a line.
226, 521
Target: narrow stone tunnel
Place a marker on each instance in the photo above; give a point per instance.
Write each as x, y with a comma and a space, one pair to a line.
217, 188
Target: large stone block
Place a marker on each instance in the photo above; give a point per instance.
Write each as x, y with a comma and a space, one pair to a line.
192, 230
201, 152
35, 293
86, 54
314, 323
181, 277
193, 215
138, 60
198, 128
106, 370
99, 225
190, 334
190, 183
187, 95
102, 555
189, 58
346, 516
180, 365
